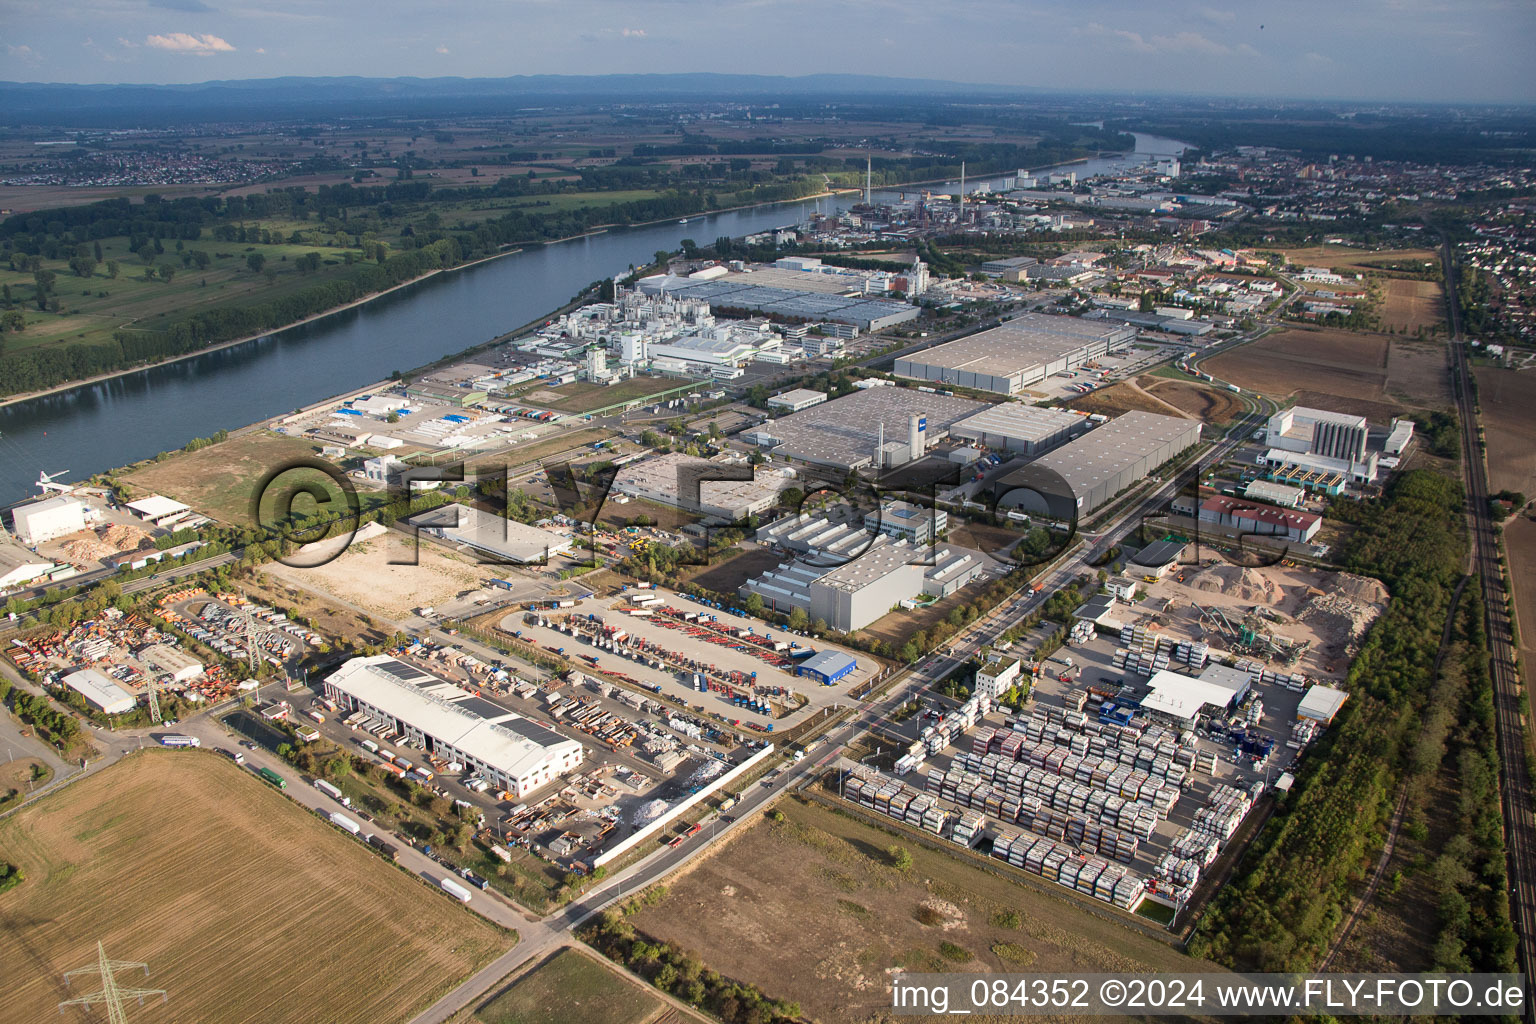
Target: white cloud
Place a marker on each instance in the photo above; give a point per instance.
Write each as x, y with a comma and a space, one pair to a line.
634, 33
204, 45
1219, 17
443, 50
22, 52
127, 43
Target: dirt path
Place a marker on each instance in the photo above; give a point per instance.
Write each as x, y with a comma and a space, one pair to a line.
1135, 385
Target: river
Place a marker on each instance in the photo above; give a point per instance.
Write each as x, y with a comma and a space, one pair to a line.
111, 423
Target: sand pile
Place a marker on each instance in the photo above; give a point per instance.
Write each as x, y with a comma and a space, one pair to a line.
87, 550
124, 538
1239, 583
1344, 610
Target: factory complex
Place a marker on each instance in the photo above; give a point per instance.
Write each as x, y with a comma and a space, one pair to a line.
741, 292
1081, 476
700, 485
512, 752
876, 427
1016, 427
1009, 358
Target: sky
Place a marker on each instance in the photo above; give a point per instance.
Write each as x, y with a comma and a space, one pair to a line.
1411, 50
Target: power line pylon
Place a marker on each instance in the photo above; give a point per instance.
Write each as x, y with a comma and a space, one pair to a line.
111, 995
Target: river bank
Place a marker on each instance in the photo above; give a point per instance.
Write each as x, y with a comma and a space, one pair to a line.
517, 248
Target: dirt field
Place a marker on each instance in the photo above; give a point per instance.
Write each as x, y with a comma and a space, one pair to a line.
1411, 304
1122, 398
573, 985
1520, 540
1204, 403
583, 396
245, 907
1366, 374
364, 576
727, 576
220, 480
811, 910
1508, 400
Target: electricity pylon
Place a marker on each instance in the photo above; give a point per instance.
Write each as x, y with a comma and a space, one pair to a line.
111, 994
153, 699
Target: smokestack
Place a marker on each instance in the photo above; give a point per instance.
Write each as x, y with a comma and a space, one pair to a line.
869, 174
880, 448
962, 191
916, 436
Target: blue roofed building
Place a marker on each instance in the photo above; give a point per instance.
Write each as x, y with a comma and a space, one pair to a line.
827, 667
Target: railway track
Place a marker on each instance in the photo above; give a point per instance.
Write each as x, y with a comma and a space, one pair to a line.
1510, 719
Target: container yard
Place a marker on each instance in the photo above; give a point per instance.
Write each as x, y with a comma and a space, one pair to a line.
641, 754
1099, 784
129, 651
727, 667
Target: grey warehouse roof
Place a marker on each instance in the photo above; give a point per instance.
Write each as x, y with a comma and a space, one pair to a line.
844, 432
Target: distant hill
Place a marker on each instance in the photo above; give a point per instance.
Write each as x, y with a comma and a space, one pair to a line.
36, 102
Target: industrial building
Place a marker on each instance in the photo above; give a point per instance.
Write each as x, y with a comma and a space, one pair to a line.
18, 565
1321, 703
827, 667
871, 574
1025, 350
740, 292
38, 522
1180, 699
1333, 435
100, 691
505, 540
997, 677
799, 398
1081, 476
1015, 427
1253, 518
906, 521
899, 423
696, 485
174, 662
159, 511
1274, 494
1157, 559
507, 750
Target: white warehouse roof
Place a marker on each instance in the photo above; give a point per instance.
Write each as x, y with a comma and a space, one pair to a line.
472, 725
1182, 697
100, 691
154, 507
1321, 703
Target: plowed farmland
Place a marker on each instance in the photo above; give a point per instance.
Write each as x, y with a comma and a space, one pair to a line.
1366, 374
246, 908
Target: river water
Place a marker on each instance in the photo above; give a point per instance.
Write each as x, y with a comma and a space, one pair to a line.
114, 422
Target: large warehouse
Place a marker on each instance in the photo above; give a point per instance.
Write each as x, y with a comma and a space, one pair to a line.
1015, 427
672, 478
40, 521
505, 540
1009, 358
739, 292
845, 433
1079, 477
850, 596
507, 750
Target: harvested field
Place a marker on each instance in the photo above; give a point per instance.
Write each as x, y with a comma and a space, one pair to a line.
1508, 400
573, 985
1348, 259
1346, 371
1204, 403
1520, 540
220, 480
1408, 305
365, 578
811, 910
245, 907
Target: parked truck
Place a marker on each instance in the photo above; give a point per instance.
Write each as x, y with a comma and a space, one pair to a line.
454, 889
343, 822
